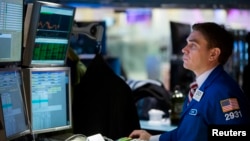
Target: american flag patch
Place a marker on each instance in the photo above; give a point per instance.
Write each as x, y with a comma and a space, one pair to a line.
229, 104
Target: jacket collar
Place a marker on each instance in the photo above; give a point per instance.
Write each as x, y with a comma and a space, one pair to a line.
212, 76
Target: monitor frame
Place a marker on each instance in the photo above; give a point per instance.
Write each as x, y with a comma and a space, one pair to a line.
3, 136
28, 83
31, 38
11, 37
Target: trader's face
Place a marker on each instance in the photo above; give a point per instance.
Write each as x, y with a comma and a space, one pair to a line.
196, 53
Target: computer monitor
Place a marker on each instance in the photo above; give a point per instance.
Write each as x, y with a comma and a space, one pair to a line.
179, 34
13, 109
48, 93
11, 32
46, 39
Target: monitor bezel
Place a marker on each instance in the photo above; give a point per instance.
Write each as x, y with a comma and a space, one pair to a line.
27, 75
3, 135
29, 39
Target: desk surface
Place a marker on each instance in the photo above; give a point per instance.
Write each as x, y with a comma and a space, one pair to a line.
156, 126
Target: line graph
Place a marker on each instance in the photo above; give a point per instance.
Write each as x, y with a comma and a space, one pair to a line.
53, 25
48, 25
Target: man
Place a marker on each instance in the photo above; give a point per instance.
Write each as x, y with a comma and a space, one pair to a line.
218, 100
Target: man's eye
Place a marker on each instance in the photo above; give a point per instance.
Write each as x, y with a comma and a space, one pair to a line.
193, 46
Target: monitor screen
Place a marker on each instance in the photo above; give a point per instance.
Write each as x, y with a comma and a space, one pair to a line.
47, 39
11, 31
13, 111
48, 93
179, 34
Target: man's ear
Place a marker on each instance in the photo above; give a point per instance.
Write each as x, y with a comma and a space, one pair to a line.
214, 54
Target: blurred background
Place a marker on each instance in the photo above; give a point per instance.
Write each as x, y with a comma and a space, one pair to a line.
145, 37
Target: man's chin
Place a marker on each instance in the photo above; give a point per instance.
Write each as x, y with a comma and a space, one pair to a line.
185, 67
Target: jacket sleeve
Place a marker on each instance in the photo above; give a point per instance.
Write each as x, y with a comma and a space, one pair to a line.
187, 131
169, 136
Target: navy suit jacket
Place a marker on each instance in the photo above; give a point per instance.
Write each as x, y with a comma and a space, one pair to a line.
207, 108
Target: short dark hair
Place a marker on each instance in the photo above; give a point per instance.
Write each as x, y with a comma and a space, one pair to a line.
217, 36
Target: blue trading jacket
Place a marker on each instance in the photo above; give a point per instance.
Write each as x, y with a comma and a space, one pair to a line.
207, 107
